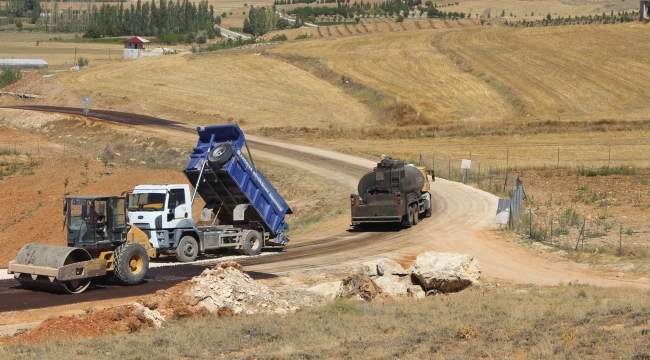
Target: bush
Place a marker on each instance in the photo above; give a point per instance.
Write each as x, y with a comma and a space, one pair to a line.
82, 61
9, 76
19, 25
279, 37
303, 36
92, 31
201, 37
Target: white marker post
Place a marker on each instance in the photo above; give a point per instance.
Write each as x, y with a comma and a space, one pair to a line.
465, 165
86, 103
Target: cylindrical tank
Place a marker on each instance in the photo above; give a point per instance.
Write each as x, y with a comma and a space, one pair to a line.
412, 181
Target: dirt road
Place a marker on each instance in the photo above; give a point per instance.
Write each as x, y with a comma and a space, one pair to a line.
463, 221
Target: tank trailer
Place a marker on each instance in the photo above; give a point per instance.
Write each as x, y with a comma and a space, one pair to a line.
392, 193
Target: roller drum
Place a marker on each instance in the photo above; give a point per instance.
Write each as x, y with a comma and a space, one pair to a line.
51, 256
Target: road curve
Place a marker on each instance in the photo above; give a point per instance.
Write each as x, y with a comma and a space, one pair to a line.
461, 217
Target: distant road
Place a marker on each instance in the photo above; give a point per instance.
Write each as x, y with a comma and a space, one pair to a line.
231, 34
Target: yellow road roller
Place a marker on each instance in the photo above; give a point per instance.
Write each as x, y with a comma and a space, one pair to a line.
100, 241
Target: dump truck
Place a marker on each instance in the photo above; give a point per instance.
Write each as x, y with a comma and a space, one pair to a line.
393, 192
242, 209
100, 242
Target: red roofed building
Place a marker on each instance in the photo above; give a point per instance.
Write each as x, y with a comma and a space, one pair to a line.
133, 46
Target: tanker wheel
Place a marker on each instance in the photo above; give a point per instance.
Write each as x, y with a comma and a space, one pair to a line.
429, 211
416, 214
131, 263
252, 243
408, 218
220, 154
187, 250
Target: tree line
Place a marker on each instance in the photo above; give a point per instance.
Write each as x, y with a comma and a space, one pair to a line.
142, 18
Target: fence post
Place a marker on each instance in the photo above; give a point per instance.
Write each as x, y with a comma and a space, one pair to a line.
551, 229
478, 177
584, 224
505, 184
620, 240
449, 170
530, 209
490, 177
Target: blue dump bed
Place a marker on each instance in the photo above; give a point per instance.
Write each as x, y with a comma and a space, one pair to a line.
223, 169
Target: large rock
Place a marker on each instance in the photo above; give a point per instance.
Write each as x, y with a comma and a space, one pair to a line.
446, 272
328, 290
415, 291
390, 286
389, 267
360, 287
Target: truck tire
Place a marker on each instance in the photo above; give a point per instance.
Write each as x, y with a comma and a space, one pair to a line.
187, 250
131, 263
428, 212
251, 243
220, 154
416, 214
407, 222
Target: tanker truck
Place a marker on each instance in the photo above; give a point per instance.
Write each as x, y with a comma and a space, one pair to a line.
392, 193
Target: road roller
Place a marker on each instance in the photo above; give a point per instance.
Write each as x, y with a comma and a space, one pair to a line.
100, 242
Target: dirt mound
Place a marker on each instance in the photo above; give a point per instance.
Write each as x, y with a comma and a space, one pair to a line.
125, 318
36, 84
223, 290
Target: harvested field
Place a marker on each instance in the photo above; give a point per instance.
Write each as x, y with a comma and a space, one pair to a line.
487, 74
253, 90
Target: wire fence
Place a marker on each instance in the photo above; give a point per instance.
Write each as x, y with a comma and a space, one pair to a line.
547, 222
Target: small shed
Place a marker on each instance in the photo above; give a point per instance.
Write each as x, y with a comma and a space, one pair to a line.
133, 46
24, 63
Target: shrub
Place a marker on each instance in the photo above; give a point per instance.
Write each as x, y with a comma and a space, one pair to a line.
201, 37
303, 36
82, 61
9, 76
92, 32
279, 37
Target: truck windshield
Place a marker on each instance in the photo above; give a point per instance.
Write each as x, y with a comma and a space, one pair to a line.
147, 201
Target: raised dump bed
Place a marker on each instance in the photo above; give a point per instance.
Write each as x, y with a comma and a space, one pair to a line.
224, 175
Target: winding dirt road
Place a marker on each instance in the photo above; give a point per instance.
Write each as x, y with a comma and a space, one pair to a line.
463, 222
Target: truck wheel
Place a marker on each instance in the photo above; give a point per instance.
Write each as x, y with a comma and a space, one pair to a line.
416, 214
428, 212
131, 263
408, 218
252, 243
220, 154
187, 250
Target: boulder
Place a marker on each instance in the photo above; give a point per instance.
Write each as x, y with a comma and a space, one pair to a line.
390, 286
358, 286
370, 268
389, 267
415, 291
328, 290
445, 272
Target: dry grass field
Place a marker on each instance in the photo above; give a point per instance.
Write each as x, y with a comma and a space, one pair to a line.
253, 90
490, 322
499, 74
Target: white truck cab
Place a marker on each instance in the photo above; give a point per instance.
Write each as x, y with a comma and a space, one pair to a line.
161, 210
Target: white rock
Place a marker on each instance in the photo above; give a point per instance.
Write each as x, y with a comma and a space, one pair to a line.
389, 267
328, 290
391, 287
370, 268
446, 272
415, 291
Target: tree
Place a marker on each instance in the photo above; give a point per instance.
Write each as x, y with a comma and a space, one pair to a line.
503, 13
9, 76
282, 23
201, 37
92, 31
19, 25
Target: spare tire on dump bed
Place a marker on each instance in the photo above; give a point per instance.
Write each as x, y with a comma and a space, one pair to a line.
220, 154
